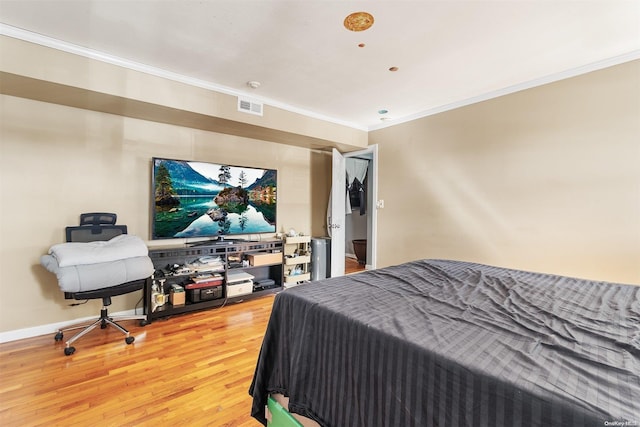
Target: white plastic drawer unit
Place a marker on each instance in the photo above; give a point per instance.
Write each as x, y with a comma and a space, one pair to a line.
239, 283
238, 289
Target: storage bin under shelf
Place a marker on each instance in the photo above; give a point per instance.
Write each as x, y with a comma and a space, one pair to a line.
297, 239
297, 260
259, 259
297, 278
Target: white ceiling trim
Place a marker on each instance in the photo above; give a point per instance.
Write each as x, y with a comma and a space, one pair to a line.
18, 33
616, 60
28, 36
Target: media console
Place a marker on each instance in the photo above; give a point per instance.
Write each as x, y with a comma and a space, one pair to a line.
211, 274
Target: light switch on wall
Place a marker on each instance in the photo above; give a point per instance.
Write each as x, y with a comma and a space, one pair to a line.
380, 204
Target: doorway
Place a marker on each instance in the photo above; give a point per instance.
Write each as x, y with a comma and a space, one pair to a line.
357, 213
344, 224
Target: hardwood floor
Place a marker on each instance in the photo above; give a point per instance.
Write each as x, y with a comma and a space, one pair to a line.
351, 265
193, 370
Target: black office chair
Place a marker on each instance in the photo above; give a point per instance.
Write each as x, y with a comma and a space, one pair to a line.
93, 227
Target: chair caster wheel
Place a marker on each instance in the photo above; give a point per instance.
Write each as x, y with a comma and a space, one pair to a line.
58, 336
69, 351
144, 323
129, 340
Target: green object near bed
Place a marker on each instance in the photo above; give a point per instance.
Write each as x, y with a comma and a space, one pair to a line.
280, 417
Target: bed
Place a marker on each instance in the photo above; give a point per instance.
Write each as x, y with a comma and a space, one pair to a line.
451, 343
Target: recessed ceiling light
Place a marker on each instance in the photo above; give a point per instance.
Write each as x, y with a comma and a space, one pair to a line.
253, 84
361, 45
358, 21
383, 111
392, 69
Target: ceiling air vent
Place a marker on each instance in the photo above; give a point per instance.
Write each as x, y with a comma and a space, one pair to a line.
248, 106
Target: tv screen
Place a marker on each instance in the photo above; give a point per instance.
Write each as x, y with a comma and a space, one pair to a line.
200, 199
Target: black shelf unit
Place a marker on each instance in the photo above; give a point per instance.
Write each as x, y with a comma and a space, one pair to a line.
231, 253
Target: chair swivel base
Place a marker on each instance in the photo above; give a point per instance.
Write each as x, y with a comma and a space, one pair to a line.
104, 320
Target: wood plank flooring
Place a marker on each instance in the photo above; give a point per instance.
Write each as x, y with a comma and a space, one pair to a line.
193, 370
351, 265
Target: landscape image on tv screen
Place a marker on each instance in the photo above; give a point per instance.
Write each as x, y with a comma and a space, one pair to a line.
200, 199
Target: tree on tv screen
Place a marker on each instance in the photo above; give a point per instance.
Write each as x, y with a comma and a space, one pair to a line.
164, 192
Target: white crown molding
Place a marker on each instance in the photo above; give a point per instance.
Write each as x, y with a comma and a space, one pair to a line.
28, 36
573, 72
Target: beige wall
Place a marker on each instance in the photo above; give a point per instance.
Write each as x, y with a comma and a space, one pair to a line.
29, 70
547, 179
57, 162
78, 135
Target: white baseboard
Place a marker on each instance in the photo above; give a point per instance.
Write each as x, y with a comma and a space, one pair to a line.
52, 328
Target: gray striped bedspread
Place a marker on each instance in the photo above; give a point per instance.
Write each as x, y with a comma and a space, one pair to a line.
450, 343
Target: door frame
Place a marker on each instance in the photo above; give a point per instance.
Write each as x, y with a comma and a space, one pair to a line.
338, 217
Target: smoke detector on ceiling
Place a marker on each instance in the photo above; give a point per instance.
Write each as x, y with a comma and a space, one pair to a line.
250, 106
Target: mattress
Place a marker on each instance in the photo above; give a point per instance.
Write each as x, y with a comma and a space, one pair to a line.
88, 277
119, 247
438, 342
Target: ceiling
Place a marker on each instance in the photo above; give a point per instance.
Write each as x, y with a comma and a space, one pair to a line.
448, 53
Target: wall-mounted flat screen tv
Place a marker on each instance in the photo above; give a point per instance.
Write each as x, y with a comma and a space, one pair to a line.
201, 199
